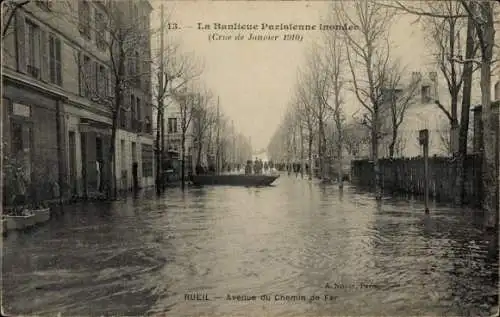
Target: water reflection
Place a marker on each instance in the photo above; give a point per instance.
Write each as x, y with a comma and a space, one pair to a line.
141, 255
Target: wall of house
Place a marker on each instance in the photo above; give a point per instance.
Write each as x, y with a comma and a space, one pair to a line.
125, 157
40, 116
61, 21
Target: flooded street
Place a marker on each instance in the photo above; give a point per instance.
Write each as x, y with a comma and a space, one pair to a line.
144, 255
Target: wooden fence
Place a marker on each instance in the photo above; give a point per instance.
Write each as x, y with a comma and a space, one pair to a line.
406, 175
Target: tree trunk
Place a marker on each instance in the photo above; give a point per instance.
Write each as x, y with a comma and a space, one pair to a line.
310, 155
464, 118
376, 167
163, 146
112, 190
489, 166
183, 155
301, 152
159, 151
198, 156
339, 158
454, 127
321, 152
394, 138
340, 140
490, 172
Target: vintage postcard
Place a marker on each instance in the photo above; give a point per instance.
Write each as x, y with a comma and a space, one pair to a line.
250, 158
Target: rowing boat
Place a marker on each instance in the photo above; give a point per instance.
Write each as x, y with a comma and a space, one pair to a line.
234, 180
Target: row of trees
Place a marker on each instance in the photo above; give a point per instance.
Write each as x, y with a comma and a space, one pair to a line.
361, 62
215, 141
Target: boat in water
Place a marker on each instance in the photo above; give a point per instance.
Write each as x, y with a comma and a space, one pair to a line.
234, 179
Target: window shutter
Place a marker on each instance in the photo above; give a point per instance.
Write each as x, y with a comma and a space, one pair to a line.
58, 64
44, 64
96, 79
21, 41
80, 73
109, 86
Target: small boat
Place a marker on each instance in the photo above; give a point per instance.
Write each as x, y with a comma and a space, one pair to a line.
234, 180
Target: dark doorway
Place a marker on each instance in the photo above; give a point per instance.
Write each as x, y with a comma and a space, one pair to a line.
83, 147
72, 162
99, 163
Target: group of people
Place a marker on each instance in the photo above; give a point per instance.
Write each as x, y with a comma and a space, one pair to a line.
257, 167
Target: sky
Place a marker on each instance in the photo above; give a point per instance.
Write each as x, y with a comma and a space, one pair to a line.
255, 80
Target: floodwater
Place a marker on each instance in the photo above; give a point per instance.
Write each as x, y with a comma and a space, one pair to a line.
331, 252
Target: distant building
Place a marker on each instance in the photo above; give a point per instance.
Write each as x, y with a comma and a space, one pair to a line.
173, 129
425, 114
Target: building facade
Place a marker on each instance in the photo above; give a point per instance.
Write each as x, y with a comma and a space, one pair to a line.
175, 114
423, 113
58, 97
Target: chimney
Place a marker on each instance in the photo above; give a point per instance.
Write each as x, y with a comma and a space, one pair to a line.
416, 76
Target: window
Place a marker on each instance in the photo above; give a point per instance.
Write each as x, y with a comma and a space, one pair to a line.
172, 125
426, 94
123, 118
55, 68
137, 64
44, 4
131, 66
497, 91
85, 75
102, 81
147, 160
124, 157
21, 140
146, 71
147, 124
139, 110
17, 138
100, 30
84, 18
33, 49
137, 70
136, 12
132, 109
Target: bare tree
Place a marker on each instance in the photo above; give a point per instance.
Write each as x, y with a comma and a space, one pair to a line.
445, 22
445, 140
444, 28
399, 96
123, 37
335, 58
317, 80
306, 119
368, 59
187, 102
482, 13
172, 70
203, 119
9, 8
356, 136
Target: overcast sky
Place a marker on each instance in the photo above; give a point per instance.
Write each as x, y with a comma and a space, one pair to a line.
255, 80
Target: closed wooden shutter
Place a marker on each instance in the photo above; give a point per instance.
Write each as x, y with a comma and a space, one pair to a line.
21, 41
44, 64
81, 79
96, 80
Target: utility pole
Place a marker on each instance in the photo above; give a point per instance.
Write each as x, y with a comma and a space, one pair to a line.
160, 135
424, 141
